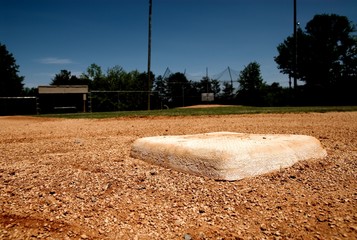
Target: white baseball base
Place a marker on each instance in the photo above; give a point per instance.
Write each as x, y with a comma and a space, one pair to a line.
227, 155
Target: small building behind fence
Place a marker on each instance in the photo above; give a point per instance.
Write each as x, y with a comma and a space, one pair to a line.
63, 98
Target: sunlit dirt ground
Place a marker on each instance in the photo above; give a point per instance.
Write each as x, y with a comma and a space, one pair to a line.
74, 179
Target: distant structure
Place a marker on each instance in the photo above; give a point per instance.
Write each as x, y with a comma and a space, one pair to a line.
149, 55
295, 46
63, 98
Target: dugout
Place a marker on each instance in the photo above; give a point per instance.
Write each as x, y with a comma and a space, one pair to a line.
63, 98
18, 106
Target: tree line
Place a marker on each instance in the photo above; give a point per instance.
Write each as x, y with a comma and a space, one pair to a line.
322, 58
120, 90
326, 60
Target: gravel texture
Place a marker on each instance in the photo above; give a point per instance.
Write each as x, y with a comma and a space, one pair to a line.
74, 179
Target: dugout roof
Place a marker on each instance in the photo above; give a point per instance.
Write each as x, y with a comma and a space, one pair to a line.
57, 89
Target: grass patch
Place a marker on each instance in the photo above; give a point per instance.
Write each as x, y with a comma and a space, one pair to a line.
205, 111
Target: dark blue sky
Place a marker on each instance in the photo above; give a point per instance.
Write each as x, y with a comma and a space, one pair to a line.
46, 36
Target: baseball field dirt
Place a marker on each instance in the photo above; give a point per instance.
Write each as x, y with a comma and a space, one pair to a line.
75, 179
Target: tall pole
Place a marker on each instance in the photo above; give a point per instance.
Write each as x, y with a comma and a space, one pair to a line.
149, 54
207, 79
230, 75
295, 46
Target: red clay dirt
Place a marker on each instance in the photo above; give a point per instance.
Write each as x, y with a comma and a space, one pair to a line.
74, 179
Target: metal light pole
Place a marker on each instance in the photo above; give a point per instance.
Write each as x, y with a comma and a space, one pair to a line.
149, 54
295, 46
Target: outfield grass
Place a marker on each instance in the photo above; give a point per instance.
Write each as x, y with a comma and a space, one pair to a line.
205, 111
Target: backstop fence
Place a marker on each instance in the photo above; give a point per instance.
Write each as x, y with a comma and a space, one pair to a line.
18, 106
106, 101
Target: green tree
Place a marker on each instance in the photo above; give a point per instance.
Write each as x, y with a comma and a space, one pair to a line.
251, 85
139, 81
332, 49
65, 77
205, 85
227, 92
160, 86
177, 85
10, 82
29, 92
326, 59
275, 95
176, 91
116, 78
139, 101
208, 85
95, 74
285, 59
62, 78
216, 87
